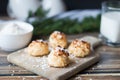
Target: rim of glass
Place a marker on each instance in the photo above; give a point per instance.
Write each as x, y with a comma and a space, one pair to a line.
115, 4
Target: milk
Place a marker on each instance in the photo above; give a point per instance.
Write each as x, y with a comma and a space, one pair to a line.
110, 26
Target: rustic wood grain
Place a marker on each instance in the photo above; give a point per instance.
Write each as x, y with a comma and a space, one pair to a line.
22, 78
108, 68
31, 63
95, 77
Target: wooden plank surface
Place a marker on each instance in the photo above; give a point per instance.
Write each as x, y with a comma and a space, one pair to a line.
40, 66
108, 68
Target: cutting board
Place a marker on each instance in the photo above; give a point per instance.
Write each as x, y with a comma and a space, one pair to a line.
40, 66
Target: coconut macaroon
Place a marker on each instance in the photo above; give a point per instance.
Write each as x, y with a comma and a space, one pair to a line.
58, 39
38, 48
58, 57
79, 48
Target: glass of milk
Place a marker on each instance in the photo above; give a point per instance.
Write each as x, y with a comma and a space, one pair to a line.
110, 23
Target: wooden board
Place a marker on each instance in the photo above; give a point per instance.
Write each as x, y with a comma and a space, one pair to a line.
39, 65
108, 67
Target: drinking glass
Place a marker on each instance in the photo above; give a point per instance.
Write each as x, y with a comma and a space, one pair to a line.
110, 23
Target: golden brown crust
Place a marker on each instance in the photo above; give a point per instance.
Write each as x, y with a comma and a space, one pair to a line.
79, 48
58, 58
57, 39
38, 48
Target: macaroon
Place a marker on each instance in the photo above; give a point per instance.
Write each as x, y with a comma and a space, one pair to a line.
79, 48
57, 39
58, 57
38, 48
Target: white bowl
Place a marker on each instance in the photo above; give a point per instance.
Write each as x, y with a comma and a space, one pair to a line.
13, 41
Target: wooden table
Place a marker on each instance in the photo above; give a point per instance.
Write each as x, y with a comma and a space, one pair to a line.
108, 68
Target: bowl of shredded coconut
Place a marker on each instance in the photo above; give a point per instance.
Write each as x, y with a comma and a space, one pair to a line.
15, 35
